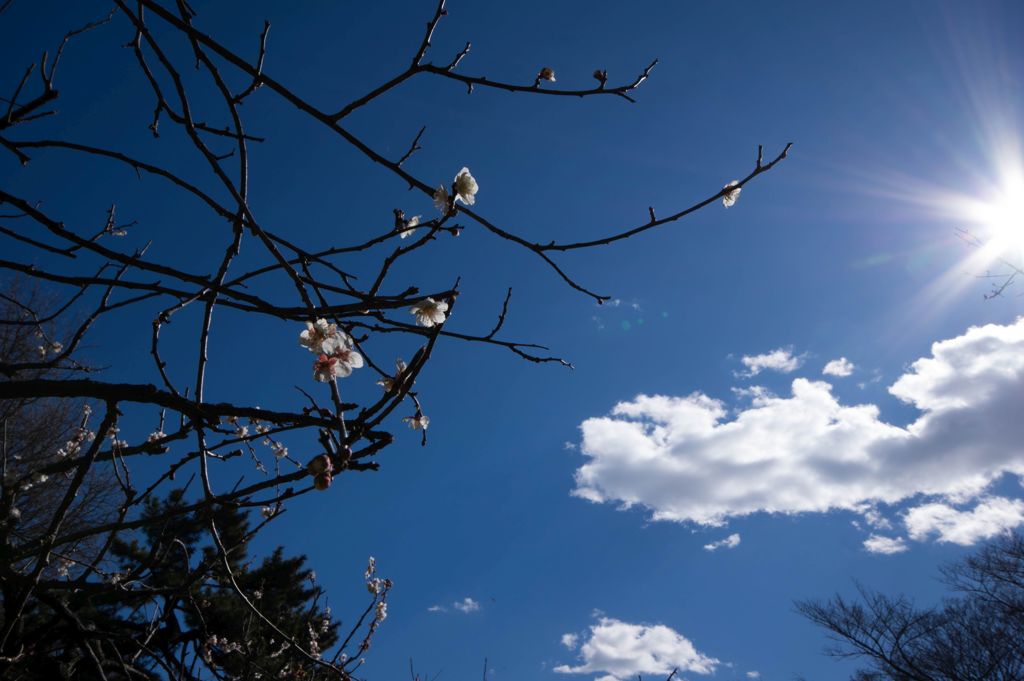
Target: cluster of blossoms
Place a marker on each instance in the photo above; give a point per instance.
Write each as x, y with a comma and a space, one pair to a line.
36, 479
376, 586
115, 442
314, 640
729, 198
239, 428
81, 435
223, 644
429, 312
321, 468
464, 189
64, 567
334, 349
54, 347
156, 435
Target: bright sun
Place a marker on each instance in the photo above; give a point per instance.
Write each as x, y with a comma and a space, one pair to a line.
1003, 218
996, 218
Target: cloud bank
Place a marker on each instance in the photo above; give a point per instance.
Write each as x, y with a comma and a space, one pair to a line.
992, 516
621, 650
684, 459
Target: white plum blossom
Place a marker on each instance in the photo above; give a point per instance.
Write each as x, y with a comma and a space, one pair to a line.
429, 312
382, 611
389, 382
418, 422
546, 73
729, 198
410, 226
339, 364
280, 451
156, 435
465, 187
322, 337
336, 356
441, 200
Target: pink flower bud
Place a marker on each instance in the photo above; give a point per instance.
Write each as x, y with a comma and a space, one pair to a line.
319, 465
323, 481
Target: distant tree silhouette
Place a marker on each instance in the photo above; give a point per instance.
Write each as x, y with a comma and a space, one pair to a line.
197, 619
976, 635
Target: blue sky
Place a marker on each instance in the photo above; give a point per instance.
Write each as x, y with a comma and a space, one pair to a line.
905, 118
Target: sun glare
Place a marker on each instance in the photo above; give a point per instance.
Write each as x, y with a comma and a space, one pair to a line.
1002, 217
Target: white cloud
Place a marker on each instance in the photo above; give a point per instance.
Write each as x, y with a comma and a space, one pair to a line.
754, 392
466, 605
876, 543
681, 458
838, 367
730, 542
991, 516
753, 675
780, 359
570, 641
621, 650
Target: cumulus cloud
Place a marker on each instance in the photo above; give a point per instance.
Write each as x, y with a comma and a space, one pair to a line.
780, 359
838, 367
685, 460
466, 605
620, 650
570, 641
730, 542
753, 675
875, 519
876, 543
991, 516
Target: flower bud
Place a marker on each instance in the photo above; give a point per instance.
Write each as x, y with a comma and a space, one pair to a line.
320, 465
323, 481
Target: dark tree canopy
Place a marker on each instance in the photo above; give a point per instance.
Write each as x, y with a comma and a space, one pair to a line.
975, 635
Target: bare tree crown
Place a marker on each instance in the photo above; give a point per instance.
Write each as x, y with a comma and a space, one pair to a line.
207, 455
